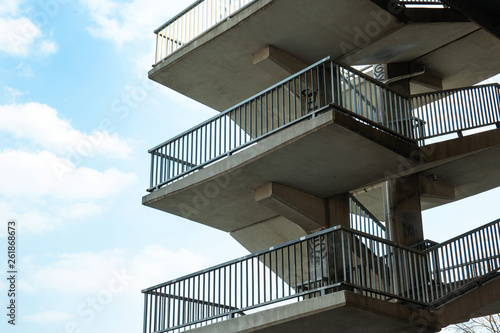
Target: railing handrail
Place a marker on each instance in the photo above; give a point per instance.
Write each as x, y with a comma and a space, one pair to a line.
452, 90
335, 259
468, 233
281, 246
315, 235
187, 9
323, 80
367, 212
228, 110
453, 117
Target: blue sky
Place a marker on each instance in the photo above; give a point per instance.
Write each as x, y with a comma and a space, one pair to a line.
77, 116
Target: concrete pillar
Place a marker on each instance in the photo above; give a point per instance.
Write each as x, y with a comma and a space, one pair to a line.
403, 211
397, 69
338, 207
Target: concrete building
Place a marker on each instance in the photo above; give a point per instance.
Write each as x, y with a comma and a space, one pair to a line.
340, 121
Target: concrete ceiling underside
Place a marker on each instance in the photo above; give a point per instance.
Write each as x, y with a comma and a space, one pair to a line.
217, 68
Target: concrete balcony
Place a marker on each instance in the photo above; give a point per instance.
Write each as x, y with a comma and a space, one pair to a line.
336, 278
223, 52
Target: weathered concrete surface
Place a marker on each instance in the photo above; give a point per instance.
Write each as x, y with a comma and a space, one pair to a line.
217, 69
341, 311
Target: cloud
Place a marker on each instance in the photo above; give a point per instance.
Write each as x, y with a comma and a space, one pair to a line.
88, 273
130, 21
47, 317
11, 94
46, 188
19, 35
35, 220
41, 124
48, 47
44, 175
25, 70
9, 7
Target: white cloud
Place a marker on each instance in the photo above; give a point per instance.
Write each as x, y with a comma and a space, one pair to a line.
130, 21
44, 175
25, 70
37, 220
42, 125
47, 317
48, 47
11, 94
17, 36
9, 7
90, 272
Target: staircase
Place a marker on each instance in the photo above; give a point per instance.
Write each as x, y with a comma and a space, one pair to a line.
335, 259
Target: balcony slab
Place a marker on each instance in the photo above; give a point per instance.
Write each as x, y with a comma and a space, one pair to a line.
341, 311
326, 155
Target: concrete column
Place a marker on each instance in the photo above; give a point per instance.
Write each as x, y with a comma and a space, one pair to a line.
338, 207
395, 70
403, 210
339, 214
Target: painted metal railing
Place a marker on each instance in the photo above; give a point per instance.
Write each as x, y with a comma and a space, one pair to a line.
192, 22
327, 261
301, 269
456, 110
363, 220
457, 264
302, 96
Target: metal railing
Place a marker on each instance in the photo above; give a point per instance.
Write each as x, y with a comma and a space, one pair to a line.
301, 269
458, 263
305, 94
363, 220
311, 91
334, 259
192, 22
456, 110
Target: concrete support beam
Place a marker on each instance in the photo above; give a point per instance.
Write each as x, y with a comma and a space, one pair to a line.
271, 57
403, 210
483, 12
309, 212
436, 188
429, 79
338, 208
262, 235
306, 210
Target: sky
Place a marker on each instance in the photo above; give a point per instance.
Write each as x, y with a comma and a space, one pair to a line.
77, 116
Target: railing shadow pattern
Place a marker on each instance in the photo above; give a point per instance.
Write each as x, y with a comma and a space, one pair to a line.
334, 259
